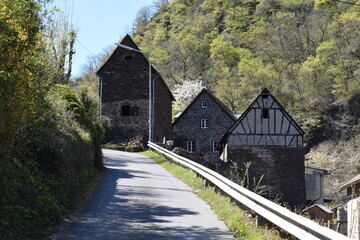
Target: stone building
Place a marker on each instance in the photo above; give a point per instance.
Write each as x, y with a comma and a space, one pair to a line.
124, 93
314, 185
268, 137
199, 127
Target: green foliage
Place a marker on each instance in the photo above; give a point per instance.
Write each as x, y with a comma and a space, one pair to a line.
19, 25
28, 199
49, 133
43, 182
223, 51
236, 47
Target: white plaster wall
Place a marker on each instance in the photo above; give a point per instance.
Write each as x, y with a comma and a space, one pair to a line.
353, 218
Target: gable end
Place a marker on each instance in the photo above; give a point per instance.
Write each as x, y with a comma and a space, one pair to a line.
265, 123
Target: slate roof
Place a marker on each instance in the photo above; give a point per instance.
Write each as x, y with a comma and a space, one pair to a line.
322, 207
128, 41
216, 100
351, 182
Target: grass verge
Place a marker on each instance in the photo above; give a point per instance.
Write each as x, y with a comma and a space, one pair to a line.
237, 219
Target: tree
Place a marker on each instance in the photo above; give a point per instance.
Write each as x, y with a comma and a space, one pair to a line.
186, 92
20, 24
142, 19
160, 5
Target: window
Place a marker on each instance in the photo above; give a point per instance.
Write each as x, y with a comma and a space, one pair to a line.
265, 113
204, 123
215, 144
134, 110
130, 110
190, 146
125, 110
128, 57
204, 104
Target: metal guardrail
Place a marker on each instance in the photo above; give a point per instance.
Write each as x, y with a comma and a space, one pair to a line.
298, 226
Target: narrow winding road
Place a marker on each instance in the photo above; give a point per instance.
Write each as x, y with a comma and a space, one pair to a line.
139, 200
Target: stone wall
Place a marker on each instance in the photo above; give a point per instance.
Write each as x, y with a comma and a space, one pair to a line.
162, 112
127, 128
283, 170
188, 127
125, 82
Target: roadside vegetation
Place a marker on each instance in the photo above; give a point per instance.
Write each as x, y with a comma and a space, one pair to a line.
49, 131
238, 220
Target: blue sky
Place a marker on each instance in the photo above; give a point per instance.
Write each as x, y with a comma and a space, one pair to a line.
100, 24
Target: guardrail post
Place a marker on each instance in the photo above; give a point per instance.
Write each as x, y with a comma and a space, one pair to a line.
259, 221
206, 183
217, 167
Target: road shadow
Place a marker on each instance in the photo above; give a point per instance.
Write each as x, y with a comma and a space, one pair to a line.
123, 209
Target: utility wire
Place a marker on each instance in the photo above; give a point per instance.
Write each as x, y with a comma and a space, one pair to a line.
351, 3
85, 47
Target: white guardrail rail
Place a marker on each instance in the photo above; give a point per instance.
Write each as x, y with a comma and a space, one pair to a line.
296, 225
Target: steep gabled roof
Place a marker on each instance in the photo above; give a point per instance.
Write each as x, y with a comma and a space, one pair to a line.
128, 41
241, 118
216, 100
353, 181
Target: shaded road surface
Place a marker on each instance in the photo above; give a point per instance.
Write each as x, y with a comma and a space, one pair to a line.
139, 200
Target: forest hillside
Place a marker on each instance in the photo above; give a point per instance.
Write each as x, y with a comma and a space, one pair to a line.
306, 52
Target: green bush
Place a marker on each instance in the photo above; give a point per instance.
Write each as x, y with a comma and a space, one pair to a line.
28, 201
42, 176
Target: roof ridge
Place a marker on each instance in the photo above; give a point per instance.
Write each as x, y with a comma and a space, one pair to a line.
216, 100
128, 41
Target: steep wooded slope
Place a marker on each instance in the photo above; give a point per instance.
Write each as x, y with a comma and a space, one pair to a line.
305, 52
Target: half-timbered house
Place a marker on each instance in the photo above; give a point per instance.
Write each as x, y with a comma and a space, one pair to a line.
124, 94
268, 137
199, 127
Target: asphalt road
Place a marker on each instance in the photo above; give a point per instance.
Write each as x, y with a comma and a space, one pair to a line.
139, 200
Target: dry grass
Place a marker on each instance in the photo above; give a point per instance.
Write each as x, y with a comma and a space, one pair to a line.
341, 158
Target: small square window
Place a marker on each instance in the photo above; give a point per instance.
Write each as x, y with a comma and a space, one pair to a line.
215, 144
125, 110
204, 104
204, 123
190, 146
